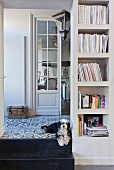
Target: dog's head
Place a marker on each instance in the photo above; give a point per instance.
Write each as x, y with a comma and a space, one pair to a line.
64, 124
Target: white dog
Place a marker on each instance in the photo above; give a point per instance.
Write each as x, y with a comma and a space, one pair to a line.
63, 134
62, 130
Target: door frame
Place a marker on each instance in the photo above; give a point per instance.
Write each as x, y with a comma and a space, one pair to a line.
33, 66
2, 127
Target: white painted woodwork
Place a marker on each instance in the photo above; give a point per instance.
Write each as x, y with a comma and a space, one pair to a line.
48, 101
2, 129
91, 150
37, 4
92, 55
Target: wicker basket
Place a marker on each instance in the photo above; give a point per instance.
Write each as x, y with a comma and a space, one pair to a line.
17, 111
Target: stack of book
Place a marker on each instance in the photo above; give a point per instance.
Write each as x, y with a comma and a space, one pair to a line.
92, 43
93, 14
92, 126
97, 131
91, 101
89, 72
81, 126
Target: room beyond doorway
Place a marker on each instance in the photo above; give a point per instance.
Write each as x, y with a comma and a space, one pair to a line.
65, 76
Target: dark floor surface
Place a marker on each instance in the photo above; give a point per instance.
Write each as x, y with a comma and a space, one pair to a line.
97, 167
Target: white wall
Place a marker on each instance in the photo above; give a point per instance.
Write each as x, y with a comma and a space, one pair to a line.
16, 26
1, 74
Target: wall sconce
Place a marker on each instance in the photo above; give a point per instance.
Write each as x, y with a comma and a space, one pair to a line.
63, 17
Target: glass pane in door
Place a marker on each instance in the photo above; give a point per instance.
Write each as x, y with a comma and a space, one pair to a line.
42, 55
52, 83
42, 27
52, 41
42, 82
52, 69
42, 41
52, 28
42, 67
52, 55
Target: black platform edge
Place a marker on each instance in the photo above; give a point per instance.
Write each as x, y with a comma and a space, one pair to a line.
32, 145
58, 164
35, 154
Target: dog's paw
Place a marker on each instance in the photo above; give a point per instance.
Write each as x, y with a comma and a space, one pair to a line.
60, 140
66, 139
43, 129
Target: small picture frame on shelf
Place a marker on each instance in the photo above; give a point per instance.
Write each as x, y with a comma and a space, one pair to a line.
93, 120
39, 74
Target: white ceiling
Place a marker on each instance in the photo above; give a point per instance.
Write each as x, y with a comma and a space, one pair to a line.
37, 4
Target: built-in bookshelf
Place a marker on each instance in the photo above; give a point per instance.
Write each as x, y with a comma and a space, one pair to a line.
93, 59
92, 41
91, 63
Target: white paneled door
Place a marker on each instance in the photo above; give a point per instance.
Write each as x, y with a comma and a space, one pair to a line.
47, 68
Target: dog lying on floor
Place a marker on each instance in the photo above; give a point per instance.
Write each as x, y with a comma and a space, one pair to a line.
61, 129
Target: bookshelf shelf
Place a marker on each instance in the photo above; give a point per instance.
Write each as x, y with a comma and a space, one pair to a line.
95, 2
93, 55
92, 111
91, 28
92, 139
99, 84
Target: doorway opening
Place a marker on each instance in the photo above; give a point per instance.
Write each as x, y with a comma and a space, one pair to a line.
55, 65
65, 77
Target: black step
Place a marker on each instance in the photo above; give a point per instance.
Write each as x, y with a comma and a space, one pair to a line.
35, 154
15, 145
47, 164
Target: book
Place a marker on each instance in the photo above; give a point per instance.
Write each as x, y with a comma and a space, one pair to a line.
91, 101
93, 43
93, 14
100, 131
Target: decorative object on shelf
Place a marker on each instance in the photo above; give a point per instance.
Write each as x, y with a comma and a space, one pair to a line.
93, 120
89, 72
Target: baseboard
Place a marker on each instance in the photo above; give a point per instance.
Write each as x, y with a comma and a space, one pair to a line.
94, 161
2, 130
47, 112
2, 126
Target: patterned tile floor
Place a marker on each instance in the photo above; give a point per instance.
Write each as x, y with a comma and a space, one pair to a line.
30, 127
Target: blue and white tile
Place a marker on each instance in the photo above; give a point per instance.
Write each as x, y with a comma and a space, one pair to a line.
30, 127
